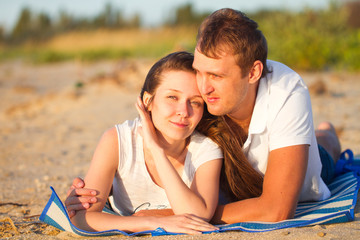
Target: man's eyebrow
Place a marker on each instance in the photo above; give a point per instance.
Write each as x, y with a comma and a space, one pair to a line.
212, 72
197, 96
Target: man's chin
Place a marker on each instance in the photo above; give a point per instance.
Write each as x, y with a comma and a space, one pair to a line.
215, 111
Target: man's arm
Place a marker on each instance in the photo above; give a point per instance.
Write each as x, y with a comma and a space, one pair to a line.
283, 180
282, 184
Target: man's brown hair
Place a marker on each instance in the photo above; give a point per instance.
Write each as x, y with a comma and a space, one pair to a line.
231, 31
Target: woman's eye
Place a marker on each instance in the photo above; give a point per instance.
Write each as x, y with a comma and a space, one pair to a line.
195, 103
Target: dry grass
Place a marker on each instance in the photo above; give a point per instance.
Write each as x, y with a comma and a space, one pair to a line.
120, 39
100, 44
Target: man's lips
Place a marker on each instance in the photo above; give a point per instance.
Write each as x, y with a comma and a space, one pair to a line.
211, 99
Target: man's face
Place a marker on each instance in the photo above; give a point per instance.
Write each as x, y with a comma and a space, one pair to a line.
221, 83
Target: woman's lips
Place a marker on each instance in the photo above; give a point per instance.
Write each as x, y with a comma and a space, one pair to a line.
181, 125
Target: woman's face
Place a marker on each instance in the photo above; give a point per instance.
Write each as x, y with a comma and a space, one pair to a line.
177, 106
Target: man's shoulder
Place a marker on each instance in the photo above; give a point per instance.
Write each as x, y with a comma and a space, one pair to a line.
278, 68
282, 76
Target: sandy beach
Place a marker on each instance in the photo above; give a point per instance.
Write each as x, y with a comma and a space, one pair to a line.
52, 116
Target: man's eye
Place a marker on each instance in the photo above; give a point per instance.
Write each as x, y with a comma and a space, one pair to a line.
172, 97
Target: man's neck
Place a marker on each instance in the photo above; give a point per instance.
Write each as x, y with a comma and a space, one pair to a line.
243, 117
243, 123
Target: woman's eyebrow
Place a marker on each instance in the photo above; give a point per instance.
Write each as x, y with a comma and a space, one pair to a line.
176, 90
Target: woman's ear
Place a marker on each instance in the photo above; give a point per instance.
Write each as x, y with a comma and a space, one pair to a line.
256, 71
147, 100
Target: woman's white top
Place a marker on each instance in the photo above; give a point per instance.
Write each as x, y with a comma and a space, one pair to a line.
133, 188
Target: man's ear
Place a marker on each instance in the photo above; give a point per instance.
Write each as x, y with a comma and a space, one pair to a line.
147, 99
255, 72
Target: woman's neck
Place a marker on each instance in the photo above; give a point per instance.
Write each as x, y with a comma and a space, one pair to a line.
175, 150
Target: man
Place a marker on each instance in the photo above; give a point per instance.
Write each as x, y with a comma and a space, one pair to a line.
271, 104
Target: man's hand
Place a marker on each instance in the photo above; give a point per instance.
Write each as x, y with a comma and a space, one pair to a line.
78, 197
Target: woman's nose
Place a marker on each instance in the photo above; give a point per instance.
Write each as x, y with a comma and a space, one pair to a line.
183, 110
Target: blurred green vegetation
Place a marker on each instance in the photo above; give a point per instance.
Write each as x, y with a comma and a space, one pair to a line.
309, 40
314, 40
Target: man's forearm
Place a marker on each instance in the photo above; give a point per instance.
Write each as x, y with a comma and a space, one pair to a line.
253, 209
155, 212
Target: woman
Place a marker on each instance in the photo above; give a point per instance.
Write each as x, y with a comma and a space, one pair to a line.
157, 161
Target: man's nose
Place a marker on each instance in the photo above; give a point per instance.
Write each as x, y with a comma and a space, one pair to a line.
204, 85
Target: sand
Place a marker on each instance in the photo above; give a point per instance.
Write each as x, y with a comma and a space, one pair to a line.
52, 116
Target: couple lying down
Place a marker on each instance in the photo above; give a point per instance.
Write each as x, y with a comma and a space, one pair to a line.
163, 169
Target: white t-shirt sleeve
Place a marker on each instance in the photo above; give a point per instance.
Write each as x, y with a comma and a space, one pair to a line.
201, 150
204, 150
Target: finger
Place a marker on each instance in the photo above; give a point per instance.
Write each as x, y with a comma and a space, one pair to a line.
200, 224
196, 218
71, 213
82, 192
144, 114
78, 182
85, 192
140, 108
189, 231
199, 228
78, 207
79, 200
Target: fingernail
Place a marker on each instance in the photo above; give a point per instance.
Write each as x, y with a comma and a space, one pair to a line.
93, 200
93, 193
79, 184
86, 205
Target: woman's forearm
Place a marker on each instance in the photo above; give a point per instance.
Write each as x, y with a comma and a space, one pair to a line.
99, 221
182, 199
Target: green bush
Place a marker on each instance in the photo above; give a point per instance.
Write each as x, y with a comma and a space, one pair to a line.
311, 40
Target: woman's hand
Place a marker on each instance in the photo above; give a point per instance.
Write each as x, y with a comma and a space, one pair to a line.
147, 130
79, 198
184, 223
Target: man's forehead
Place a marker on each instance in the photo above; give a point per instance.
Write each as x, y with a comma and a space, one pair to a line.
217, 52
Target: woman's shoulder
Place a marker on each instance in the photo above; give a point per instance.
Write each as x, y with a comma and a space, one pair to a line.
201, 142
203, 149
130, 124
128, 127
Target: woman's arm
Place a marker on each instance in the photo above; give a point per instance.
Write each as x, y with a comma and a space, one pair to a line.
201, 199
100, 176
283, 180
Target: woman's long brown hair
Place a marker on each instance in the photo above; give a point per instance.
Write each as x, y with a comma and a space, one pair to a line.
239, 180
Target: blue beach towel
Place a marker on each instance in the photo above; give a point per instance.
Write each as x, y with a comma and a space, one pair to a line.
338, 208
